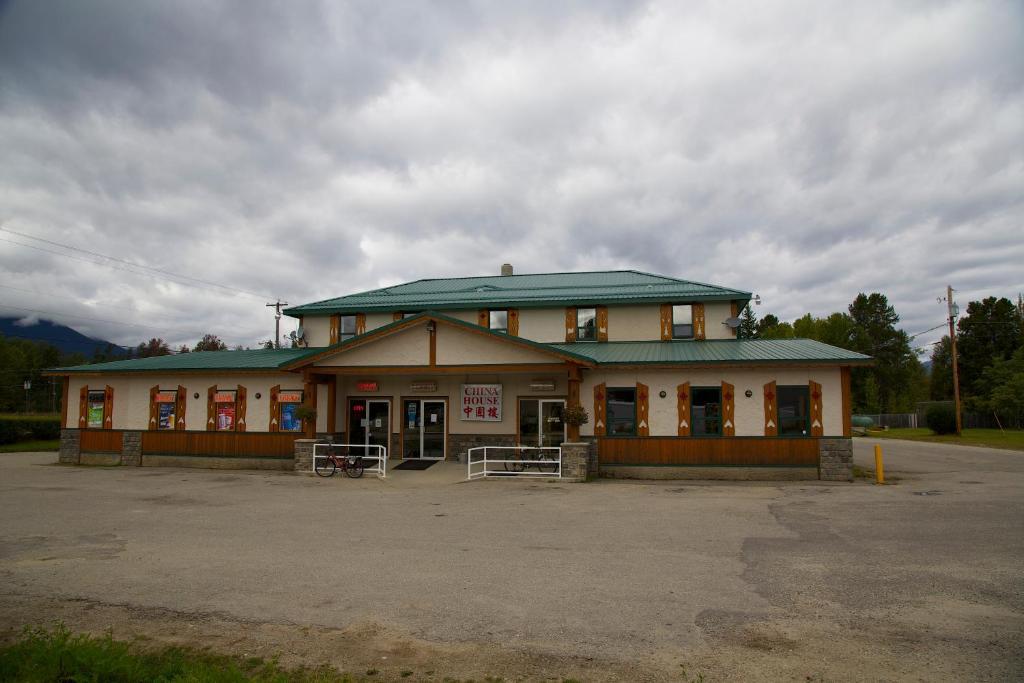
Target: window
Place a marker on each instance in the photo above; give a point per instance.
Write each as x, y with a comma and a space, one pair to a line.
498, 320
94, 416
346, 327
166, 402
586, 324
794, 413
409, 314
706, 411
621, 412
682, 321
224, 410
289, 401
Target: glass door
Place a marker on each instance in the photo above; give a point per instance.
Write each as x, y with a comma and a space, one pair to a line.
423, 429
369, 423
541, 422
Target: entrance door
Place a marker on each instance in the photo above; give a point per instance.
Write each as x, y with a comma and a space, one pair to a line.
541, 422
423, 428
369, 423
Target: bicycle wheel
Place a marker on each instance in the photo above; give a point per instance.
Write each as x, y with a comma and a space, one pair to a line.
325, 466
546, 463
354, 467
516, 466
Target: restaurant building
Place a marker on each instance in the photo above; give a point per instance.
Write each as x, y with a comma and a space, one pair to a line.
431, 368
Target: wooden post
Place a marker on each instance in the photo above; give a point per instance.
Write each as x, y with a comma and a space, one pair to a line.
309, 394
573, 430
332, 404
956, 371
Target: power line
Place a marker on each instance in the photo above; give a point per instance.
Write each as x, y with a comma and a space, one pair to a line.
191, 281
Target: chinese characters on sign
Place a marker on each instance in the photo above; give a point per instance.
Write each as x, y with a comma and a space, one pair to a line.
481, 402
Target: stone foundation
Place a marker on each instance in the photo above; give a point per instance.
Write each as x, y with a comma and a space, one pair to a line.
835, 459
131, 448
304, 454
70, 446
459, 444
575, 461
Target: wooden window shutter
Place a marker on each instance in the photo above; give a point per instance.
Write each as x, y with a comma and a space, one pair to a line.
643, 419
83, 407
602, 323
683, 408
728, 410
570, 324
397, 315
513, 322
734, 312
666, 322
599, 408
181, 403
698, 321
771, 415
360, 323
483, 318
108, 407
153, 391
211, 417
275, 409
817, 429
335, 329
240, 405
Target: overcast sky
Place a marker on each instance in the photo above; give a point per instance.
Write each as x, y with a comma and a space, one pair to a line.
805, 151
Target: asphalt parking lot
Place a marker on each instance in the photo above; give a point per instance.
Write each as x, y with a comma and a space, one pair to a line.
921, 579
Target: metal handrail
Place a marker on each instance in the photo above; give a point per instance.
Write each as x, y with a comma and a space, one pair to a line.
486, 461
381, 458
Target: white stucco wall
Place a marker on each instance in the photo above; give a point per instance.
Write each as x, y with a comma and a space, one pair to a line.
542, 324
317, 329
715, 314
462, 347
749, 411
375, 320
131, 397
408, 347
634, 323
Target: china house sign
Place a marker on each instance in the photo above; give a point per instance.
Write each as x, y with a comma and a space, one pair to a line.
481, 402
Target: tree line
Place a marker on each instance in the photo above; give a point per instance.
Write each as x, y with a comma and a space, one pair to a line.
990, 355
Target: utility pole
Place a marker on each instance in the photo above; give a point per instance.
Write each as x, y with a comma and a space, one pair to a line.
277, 321
951, 309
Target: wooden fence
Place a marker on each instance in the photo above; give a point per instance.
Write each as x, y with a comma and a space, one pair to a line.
220, 444
100, 441
723, 451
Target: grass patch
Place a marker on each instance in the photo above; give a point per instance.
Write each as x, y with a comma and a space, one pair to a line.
30, 446
990, 438
58, 655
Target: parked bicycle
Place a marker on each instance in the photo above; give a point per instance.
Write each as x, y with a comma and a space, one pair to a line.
326, 465
522, 459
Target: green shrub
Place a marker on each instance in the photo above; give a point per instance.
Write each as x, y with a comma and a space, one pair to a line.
941, 419
46, 430
23, 428
9, 432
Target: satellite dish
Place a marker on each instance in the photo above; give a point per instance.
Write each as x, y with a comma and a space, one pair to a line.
731, 323
300, 333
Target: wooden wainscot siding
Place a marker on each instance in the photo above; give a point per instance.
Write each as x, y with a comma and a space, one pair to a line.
219, 444
728, 409
101, 440
771, 416
683, 408
666, 322
600, 419
816, 420
698, 321
570, 324
698, 451
643, 417
513, 322
602, 323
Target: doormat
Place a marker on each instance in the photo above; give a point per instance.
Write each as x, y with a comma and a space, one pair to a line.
415, 464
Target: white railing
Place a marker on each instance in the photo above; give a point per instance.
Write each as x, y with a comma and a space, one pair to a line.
526, 461
379, 456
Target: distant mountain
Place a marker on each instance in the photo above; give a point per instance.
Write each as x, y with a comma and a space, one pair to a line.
61, 336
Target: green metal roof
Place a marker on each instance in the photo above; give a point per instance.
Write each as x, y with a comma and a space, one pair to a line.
540, 289
716, 351
256, 359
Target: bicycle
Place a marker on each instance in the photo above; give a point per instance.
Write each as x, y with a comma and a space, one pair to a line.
531, 458
327, 465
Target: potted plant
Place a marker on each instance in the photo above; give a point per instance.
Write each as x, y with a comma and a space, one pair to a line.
306, 414
575, 416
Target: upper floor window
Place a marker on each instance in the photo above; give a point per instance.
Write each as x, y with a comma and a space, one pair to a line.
621, 412
794, 410
706, 411
586, 324
497, 320
347, 327
682, 321
409, 314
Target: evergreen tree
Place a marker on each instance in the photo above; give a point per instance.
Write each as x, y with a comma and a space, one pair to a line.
897, 373
940, 385
748, 324
990, 331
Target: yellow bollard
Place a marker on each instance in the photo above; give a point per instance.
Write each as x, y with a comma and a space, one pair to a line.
879, 469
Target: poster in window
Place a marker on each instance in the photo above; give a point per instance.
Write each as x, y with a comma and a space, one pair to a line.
165, 416
290, 423
95, 411
225, 417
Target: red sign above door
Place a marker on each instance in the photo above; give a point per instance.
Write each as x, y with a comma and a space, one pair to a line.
367, 386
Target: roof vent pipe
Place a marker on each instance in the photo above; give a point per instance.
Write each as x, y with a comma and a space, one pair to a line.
506, 269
